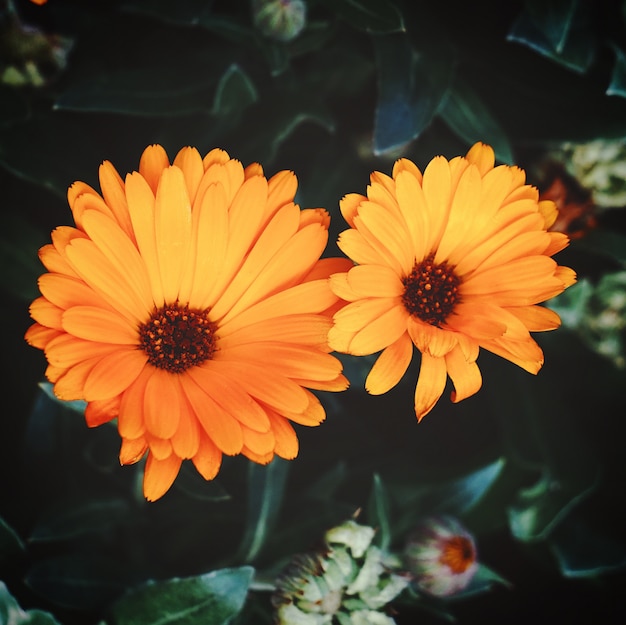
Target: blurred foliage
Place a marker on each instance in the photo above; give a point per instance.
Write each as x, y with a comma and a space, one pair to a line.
534, 466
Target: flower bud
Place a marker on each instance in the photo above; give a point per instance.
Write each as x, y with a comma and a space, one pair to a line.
282, 20
441, 555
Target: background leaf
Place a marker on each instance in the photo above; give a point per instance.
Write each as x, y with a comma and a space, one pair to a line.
210, 599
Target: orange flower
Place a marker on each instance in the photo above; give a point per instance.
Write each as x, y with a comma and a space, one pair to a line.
39, 2
191, 303
448, 261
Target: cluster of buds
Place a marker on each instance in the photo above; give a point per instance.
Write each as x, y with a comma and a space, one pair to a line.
349, 581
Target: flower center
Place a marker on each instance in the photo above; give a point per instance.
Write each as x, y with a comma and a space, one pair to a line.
177, 338
431, 291
458, 554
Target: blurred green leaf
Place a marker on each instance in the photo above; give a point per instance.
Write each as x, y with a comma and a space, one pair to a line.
571, 305
379, 512
617, 86
266, 488
210, 599
483, 581
606, 243
327, 484
11, 546
583, 551
470, 118
557, 29
540, 508
235, 91
79, 581
12, 614
411, 86
455, 497
76, 518
375, 16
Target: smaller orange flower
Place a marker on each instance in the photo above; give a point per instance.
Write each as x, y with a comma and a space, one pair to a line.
449, 261
39, 2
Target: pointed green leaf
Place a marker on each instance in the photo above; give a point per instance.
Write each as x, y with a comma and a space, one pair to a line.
266, 487
540, 508
235, 91
379, 512
11, 546
557, 29
210, 599
617, 85
375, 16
411, 87
469, 117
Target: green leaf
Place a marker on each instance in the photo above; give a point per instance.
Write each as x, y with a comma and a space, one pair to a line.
235, 91
583, 551
411, 87
266, 487
379, 512
77, 518
540, 508
557, 29
210, 599
617, 85
483, 581
11, 546
605, 243
571, 305
12, 614
78, 581
374, 16
470, 118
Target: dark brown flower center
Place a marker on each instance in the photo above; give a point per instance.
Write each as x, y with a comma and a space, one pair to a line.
431, 291
177, 338
458, 554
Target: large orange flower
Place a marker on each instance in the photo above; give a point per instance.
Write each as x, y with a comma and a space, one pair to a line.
449, 261
191, 303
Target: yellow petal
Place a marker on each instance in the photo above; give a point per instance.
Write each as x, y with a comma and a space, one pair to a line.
189, 161
464, 375
151, 165
390, 366
172, 211
430, 384
375, 281
436, 342
381, 332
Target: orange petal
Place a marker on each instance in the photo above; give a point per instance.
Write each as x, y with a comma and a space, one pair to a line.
132, 450
208, 458
163, 403
99, 412
431, 340
152, 163
130, 421
159, 475
390, 366
381, 332
430, 384
464, 375
114, 195
114, 373
260, 442
223, 429
482, 156
96, 324
189, 161
286, 441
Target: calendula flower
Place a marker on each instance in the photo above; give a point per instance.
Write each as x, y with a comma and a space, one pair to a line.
348, 581
448, 261
190, 303
441, 555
